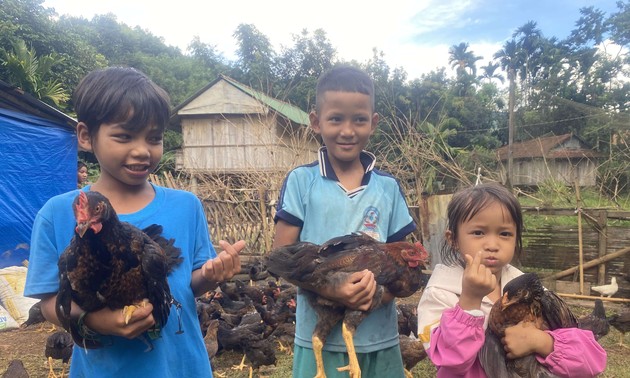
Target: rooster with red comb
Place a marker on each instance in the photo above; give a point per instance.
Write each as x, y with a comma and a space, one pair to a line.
113, 264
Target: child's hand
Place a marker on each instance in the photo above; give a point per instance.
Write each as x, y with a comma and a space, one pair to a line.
226, 264
524, 339
357, 292
112, 322
477, 282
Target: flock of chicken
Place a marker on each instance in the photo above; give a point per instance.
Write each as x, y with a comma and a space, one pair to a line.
258, 320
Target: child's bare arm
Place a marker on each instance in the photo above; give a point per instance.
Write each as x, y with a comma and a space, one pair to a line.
285, 234
105, 321
219, 269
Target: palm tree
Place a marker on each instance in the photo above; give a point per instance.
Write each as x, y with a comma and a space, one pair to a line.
31, 73
530, 42
489, 72
509, 59
461, 59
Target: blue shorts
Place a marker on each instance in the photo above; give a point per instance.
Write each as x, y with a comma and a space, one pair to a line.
382, 363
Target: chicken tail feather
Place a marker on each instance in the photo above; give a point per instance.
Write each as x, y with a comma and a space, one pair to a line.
173, 253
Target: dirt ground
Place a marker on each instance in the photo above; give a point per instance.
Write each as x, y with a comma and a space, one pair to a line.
28, 345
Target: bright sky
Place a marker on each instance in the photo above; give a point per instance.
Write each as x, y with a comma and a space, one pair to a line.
413, 34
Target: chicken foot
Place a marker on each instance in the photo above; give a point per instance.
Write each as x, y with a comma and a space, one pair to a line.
129, 310
51, 372
353, 363
240, 366
318, 345
286, 349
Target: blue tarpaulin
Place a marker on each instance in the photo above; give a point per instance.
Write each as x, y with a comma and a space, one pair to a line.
38, 160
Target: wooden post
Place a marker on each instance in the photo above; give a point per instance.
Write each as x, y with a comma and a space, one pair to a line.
263, 215
577, 296
511, 101
580, 243
602, 244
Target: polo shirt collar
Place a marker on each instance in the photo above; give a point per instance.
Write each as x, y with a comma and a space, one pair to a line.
367, 158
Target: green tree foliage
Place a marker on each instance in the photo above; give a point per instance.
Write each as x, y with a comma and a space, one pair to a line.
31, 73
579, 84
300, 65
256, 58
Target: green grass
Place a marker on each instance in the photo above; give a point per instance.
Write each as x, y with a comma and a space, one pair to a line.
554, 195
561, 196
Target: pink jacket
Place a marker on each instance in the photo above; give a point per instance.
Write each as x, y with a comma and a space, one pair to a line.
457, 336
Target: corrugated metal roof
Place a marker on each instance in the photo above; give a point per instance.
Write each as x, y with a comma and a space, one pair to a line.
285, 109
544, 147
292, 112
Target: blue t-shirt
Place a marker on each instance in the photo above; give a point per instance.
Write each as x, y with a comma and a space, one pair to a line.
312, 198
174, 355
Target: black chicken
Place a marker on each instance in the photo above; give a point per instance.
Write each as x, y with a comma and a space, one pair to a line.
113, 264
259, 352
524, 299
58, 347
596, 321
396, 267
35, 316
621, 322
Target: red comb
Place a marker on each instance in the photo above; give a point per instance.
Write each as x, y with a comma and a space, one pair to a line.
81, 207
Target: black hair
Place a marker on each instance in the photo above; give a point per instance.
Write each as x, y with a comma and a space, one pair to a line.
344, 79
466, 203
80, 165
120, 95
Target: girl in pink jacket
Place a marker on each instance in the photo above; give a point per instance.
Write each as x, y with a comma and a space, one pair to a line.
483, 237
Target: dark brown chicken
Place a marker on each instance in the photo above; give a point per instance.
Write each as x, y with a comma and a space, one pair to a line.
397, 267
621, 322
407, 319
596, 321
58, 347
15, 369
412, 352
113, 264
524, 299
211, 341
284, 334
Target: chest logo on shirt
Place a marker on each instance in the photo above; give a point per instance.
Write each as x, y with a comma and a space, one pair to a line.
371, 217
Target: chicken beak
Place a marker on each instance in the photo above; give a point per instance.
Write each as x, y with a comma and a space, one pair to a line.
82, 227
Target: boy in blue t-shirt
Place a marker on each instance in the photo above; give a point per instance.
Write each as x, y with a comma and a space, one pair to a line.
336, 195
121, 117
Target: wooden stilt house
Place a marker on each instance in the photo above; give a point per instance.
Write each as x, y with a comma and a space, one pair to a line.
228, 127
